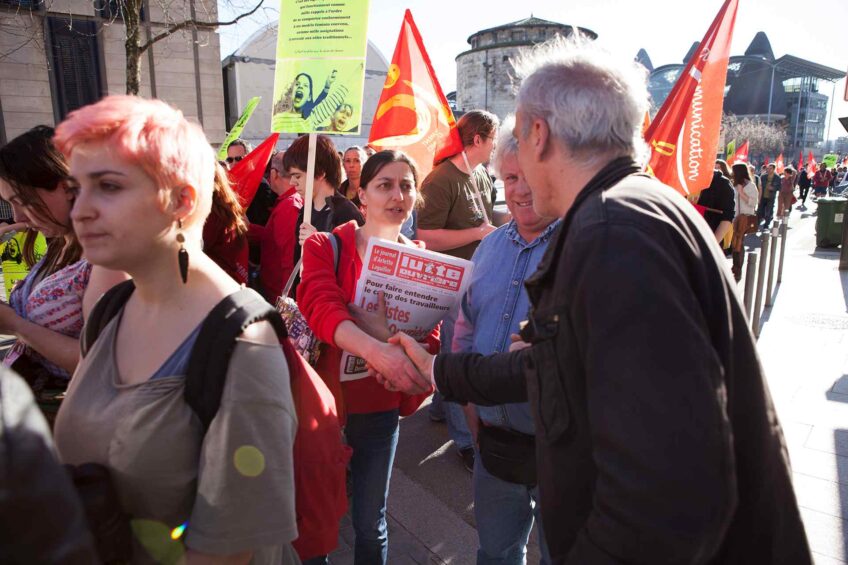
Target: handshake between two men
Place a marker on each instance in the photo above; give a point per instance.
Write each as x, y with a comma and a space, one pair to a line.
418, 378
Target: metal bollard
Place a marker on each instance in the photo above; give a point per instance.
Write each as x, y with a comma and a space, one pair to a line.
783, 232
772, 260
761, 278
750, 279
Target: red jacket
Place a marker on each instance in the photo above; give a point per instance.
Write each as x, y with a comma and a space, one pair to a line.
822, 180
276, 241
227, 250
323, 299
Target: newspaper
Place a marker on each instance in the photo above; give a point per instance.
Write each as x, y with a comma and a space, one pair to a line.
420, 288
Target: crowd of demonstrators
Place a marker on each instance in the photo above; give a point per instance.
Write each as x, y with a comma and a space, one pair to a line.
46, 309
641, 457
649, 441
719, 200
506, 495
457, 214
330, 208
225, 230
821, 181
389, 191
770, 188
143, 180
747, 200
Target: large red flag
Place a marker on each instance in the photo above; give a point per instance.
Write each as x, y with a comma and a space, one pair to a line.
413, 115
247, 173
778, 164
741, 153
684, 134
811, 161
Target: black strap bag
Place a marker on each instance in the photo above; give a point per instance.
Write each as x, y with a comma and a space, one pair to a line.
508, 455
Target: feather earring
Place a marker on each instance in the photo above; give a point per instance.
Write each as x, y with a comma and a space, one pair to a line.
182, 254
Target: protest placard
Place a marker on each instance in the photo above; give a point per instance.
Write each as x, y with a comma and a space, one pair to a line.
320, 69
420, 288
238, 127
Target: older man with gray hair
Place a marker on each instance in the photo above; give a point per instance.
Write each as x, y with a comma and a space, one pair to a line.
506, 498
656, 438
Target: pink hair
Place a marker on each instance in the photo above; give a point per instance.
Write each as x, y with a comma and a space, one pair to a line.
150, 134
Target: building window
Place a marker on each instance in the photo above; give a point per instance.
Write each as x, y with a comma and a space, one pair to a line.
75, 63
22, 4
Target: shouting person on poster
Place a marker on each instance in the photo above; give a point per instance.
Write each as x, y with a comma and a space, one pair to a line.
389, 192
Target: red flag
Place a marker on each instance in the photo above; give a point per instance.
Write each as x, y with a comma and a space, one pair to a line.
811, 161
800, 160
247, 173
684, 134
413, 115
741, 153
767, 161
778, 164
845, 162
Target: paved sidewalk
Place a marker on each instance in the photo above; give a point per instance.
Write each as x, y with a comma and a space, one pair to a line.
804, 349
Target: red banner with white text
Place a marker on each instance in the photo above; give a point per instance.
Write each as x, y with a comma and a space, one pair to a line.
683, 136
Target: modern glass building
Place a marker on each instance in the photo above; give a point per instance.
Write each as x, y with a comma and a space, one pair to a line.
788, 91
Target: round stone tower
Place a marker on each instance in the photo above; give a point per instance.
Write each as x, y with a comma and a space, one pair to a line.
484, 74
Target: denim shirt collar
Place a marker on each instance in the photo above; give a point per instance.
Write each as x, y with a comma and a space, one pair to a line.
512, 234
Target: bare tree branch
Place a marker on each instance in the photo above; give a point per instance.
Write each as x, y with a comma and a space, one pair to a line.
197, 24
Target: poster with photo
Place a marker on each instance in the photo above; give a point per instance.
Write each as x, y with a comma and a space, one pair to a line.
320, 68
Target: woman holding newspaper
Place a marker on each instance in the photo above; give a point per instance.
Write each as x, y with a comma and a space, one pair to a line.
388, 189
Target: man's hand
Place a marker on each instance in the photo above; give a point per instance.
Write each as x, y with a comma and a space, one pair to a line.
373, 323
306, 229
417, 381
516, 343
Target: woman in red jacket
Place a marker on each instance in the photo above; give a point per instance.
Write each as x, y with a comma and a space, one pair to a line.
388, 189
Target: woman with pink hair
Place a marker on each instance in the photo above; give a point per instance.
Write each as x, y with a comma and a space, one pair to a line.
143, 179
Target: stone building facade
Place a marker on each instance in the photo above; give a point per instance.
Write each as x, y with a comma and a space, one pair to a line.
63, 54
484, 73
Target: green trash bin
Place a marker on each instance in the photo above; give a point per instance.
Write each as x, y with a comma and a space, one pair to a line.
831, 216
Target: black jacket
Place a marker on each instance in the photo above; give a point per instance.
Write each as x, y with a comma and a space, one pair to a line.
720, 198
657, 441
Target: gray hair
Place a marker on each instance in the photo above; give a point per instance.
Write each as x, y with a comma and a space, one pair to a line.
507, 144
593, 102
277, 162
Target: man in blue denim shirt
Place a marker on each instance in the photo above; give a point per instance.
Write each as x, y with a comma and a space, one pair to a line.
494, 306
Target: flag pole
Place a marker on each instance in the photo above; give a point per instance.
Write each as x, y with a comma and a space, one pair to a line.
310, 179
